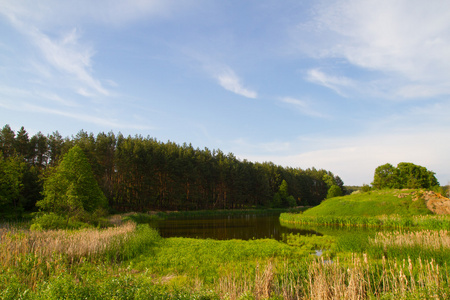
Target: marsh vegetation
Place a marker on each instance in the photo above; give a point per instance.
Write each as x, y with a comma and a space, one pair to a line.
132, 261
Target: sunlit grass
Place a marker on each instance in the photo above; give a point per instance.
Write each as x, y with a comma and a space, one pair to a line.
387, 221
134, 262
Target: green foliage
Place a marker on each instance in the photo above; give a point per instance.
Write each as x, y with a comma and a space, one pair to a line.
141, 241
144, 174
365, 188
188, 256
70, 189
312, 243
11, 185
334, 191
53, 221
282, 198
406, 175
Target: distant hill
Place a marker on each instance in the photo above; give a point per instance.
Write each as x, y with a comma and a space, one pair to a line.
383, 202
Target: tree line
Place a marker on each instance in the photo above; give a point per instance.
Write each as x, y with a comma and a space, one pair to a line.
142, 174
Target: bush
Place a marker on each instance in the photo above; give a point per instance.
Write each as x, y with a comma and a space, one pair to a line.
365, 188
54, 221
334, 191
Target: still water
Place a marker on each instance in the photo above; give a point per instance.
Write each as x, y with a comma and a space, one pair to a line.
245, 227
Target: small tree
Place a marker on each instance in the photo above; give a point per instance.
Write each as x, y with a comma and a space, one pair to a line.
334, 191
71, 188
282, 197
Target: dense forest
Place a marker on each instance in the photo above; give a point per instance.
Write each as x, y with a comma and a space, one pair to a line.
143, 174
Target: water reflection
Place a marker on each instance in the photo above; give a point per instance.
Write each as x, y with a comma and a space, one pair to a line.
245, 227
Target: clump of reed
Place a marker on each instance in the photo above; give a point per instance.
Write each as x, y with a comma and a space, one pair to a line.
75, 244
258, 284
426, 239
34, 255
357, 278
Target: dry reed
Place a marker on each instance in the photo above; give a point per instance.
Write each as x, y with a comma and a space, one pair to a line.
426, 239
74, 244
356, 279
39, 253
237, 285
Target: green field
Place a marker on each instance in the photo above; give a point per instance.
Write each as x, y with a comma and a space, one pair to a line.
131, 261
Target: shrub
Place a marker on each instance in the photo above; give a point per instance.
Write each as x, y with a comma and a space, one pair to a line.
54, 221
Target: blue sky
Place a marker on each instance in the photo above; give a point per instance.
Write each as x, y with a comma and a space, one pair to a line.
341, 85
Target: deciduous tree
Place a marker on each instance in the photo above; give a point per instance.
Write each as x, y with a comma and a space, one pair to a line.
71, 187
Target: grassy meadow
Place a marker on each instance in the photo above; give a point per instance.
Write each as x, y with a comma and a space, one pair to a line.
131, 261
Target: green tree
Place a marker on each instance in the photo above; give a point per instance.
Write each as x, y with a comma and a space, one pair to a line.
7, 141
282, 197
70, 188
385, 177
405, 175
11, 185
22, 143
334, 191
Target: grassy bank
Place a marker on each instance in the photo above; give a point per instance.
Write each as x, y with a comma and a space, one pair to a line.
383, 208
373, 203
386, 221
134, 262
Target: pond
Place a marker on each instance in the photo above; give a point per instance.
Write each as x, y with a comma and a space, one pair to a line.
244, 227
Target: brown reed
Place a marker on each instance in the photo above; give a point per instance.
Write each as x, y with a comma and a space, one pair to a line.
38, 253
426, 239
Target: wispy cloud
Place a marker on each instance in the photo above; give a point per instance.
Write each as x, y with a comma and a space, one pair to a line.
110, 123
69, 56
302, 106
231, 82
405, 41
65, 59
335, 83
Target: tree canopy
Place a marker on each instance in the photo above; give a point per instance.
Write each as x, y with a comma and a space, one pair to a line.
405, 175
138, 173
71, 187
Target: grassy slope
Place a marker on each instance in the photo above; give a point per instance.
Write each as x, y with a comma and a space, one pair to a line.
373, 203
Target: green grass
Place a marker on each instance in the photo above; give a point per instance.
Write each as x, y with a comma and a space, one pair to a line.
381, 208
369, 204
142, 265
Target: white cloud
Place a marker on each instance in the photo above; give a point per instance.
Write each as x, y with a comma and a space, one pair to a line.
66, 60
333, 82
231, 82
406, 41
85, 117
302, 106
70, 57
354, 159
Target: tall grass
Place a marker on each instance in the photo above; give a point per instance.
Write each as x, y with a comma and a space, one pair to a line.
361, 279
426, 239
36, 255
386, 221
87, 243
